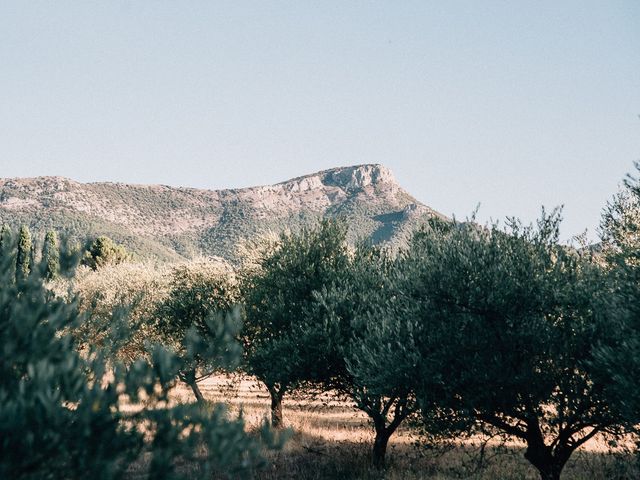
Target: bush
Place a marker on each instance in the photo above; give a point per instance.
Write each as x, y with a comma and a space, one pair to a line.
132, 290
63, 415
104, 251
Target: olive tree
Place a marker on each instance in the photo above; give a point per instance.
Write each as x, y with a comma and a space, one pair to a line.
285, 341
363, 320
129, 290
509, 322
620, 246
315, 319
200, 298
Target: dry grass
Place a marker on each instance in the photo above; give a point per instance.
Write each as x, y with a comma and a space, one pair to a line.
332, 440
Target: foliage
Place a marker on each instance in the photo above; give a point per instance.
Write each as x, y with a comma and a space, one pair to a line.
104, 251
507, 322
128, 290
620, 234
313, 319
285, 342
23, 257
65, 415
199, 294
252, 251
374, 341
6, 254
5, 236
51, 255
620, 225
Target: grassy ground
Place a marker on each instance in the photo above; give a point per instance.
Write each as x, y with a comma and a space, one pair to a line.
332, 440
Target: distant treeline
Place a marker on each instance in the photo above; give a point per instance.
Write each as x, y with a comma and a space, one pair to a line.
94, 253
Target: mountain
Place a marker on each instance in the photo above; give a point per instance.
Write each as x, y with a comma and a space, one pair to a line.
172, 223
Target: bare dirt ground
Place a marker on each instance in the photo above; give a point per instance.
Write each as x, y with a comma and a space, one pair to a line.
332, 440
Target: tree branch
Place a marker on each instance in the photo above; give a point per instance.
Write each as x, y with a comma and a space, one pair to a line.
502, 425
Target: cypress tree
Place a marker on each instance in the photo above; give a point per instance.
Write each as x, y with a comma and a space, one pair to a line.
5, 239
51, 255
7, 252
23, 258
33, 254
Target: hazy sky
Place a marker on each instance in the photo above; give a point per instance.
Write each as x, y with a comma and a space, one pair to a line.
512, 104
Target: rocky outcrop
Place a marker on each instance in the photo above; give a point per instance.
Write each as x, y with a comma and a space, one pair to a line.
346, 178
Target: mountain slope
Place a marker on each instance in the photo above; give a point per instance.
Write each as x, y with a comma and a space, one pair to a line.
171, 223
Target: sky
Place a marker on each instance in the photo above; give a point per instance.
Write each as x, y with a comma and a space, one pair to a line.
511, 105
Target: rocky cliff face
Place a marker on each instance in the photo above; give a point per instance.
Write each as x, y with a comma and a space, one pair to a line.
170, 222
347, 178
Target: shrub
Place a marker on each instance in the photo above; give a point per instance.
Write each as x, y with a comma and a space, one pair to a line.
104, 251
63, 415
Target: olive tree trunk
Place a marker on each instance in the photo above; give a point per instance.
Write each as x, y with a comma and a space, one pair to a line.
548, 460
379, 451
189, 377
277, 420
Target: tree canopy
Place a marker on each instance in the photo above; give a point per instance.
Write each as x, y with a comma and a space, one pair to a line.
201, 300
285, 342
507, 322
620, 246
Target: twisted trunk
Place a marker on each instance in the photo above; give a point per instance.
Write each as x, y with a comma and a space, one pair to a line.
548, 465
549, 461
384, 430
189, 377
380, 447
276, 394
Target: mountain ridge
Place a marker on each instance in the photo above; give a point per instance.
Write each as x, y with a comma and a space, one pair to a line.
171, 223
378, 171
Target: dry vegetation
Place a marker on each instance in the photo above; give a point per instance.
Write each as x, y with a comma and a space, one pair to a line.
331, 440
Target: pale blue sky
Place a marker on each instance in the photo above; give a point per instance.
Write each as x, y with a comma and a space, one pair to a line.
512, 104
